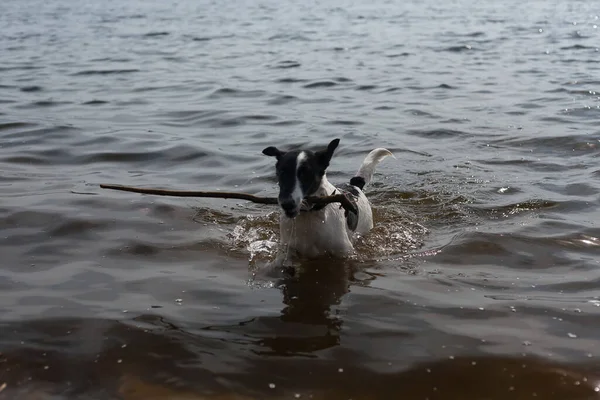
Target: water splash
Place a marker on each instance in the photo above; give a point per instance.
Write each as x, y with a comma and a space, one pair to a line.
258, 235
394, 234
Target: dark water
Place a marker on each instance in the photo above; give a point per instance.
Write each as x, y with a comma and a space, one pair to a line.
481, 279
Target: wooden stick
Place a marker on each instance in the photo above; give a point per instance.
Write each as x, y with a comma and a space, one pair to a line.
193, 193
336, 198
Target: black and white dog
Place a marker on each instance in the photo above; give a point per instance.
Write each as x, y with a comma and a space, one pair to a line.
321, 230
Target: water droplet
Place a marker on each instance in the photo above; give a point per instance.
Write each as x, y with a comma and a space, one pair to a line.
272, 385
473, 362
526, 343
451, 357
340, 369
512, 388
123, 346
47, 367
178, 300
297, 395
572, 335
481, 309
577, 383
597, 389
119, 361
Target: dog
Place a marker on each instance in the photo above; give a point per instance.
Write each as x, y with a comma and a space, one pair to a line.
314, 231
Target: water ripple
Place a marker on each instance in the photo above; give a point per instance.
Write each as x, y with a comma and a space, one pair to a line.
485, 242
106, 72
320, 84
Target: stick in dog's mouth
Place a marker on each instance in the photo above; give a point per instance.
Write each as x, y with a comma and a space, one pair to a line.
310, 201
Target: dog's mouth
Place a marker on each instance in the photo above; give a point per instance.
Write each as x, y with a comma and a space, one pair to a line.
291, 213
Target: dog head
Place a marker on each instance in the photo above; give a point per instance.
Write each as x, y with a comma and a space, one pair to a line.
299, 174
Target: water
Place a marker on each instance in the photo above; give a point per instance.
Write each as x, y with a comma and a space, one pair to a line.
480, 280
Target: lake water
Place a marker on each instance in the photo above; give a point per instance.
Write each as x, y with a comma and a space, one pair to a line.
481, 279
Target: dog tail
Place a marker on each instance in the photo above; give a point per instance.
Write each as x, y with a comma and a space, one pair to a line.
366, 170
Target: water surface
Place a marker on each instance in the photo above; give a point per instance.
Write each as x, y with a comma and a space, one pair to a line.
481, 279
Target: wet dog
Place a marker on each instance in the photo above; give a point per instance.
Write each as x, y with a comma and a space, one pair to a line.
313, 231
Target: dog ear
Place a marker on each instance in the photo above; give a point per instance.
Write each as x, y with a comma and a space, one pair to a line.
324, 156
272, 151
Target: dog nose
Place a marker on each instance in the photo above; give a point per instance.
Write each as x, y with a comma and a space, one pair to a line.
287, 205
